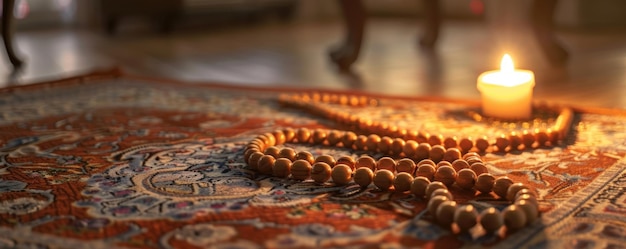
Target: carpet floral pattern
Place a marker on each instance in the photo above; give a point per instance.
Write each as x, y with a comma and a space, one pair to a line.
123, 161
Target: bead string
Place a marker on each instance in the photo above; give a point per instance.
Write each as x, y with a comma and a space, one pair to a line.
435, 170
515, 140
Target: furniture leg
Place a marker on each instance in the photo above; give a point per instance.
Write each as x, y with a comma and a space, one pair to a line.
7, 32
354, 19
542, 13
431, 23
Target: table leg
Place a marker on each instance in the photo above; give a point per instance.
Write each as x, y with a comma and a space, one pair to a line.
542, 14
354, 19
7, 32
431, 23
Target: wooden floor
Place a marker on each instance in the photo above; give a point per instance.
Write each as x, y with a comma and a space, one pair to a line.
295, 54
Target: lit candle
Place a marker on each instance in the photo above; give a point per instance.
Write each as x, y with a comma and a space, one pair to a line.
508, 93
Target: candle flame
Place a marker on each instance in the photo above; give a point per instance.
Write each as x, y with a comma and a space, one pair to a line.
506, 65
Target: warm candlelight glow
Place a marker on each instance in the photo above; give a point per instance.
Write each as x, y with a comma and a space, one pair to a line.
507, 93
507, 76
506, 64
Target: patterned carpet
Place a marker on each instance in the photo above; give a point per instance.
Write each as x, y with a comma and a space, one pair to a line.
112, 160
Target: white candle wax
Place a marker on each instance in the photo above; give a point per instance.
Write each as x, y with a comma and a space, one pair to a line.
507, 93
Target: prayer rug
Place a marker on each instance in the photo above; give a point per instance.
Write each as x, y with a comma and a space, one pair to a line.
109, 160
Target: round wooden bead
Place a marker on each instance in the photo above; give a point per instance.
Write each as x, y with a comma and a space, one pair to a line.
406, 165
541, 137
372, 142
502, 142
445, 213
513, 189
460, 164
279, 136
411, 135
272, 151
347, 160
530, 209
288, 153
290, 134
422, 152
401, 133
426, 170
418, 186
446, 175
516, 140
514, 218
348, 139
248, 153
301, 170
465, 217
341, 174
525, 191
434, 203
528, 139
303, 135
426, 161
432, 187
410, 148
330, 160
436, 153
466, 144
282, 167
479, 168
422, 137
529, 198
319, 136
403, 182
501, 186
441, 191
491, 220
466, 179
394, 131
384, 146
363, 176
305, 155
484, 183
397, 146
450, 142
266, 163
473, 160
320, 172
482, 144
435, 140
361, 142
554, 135
366, 161
471, 154
452, 154
386, 163
364, 123
253, 162
258, 142
383, 179
334, 137
269, 139
443, 163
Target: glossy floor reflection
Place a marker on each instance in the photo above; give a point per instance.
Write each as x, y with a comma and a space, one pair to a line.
295, 55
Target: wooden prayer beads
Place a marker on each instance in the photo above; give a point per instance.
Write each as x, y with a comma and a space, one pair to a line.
385, 135
522, 211
428, 178
442, 165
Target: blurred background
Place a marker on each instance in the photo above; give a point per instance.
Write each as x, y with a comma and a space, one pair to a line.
286, 43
